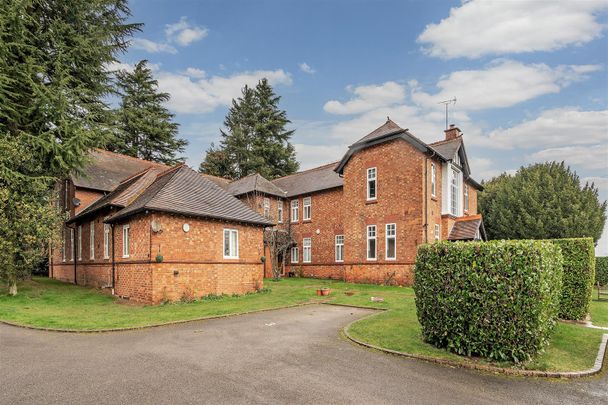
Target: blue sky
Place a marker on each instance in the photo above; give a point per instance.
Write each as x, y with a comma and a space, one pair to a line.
530, 77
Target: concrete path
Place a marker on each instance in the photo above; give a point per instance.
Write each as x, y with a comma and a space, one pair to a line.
290, 356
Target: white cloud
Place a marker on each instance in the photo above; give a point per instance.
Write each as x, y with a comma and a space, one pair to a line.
195, 73
306, 68
502, 83
181, 33
191, 95
151, 46
480, 27
566, 126
600, 182
367, 98
593, 157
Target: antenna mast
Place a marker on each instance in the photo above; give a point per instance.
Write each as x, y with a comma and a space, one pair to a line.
447, 103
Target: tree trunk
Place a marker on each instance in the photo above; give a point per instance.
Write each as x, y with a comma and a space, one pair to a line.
12, 288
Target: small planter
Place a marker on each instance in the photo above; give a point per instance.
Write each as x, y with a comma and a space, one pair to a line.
159, 258
323, 292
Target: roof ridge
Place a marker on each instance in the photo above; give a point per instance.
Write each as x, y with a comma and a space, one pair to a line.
307, 170
212, 175
446, 141
128, 157
139, 173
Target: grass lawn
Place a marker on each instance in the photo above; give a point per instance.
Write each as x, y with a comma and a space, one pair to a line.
48, 303
599, 311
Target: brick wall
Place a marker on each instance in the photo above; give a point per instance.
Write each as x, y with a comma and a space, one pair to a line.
196, 256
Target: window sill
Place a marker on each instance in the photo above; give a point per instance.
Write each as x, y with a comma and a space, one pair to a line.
371, 202
230, 258
125, 257
434, 198
306, 221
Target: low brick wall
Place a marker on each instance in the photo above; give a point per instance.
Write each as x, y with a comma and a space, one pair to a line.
397, 274
172, 281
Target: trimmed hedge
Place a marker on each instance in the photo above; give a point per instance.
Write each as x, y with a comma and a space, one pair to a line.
601, 270
496, 299
579, 273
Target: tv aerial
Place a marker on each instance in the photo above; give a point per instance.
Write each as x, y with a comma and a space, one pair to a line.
447, 103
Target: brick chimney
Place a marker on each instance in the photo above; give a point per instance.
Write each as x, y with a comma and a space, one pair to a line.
452, 133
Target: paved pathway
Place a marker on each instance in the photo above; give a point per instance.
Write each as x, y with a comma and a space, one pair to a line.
290, 356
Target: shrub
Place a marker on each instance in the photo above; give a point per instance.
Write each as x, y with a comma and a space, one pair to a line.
601, 270
496, 299
579, 273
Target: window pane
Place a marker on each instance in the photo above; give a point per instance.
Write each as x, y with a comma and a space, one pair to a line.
390, 248
371, 250
226, 243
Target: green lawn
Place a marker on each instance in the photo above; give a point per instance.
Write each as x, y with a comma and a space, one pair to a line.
599, 311
48, 303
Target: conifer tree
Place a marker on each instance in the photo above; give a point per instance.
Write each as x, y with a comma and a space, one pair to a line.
541, 201
256, 140
54, 75
144, 126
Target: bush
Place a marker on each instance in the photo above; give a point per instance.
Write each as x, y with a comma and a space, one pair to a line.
579, 273
496, 299
601, 270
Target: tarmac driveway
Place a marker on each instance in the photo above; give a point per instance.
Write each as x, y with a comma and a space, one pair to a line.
288, 356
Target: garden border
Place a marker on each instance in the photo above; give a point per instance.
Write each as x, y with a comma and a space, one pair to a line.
597, 366
158, 325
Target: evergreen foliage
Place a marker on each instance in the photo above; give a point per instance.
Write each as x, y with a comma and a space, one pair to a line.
601, 270
579, 274
256, 140
54, 76
497, 299
541, 201
144, 126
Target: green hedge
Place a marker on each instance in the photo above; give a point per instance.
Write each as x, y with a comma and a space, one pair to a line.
601, 270
579, 274
496, 299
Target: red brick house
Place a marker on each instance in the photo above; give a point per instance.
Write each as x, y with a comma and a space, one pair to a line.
153, 233
362, 218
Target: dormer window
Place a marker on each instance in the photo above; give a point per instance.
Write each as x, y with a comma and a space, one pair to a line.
457, 159
372, 189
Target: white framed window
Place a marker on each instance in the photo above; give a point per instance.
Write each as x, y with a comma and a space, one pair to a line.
79, 242
307, 250
372, 189
371, 242
231, 244
457, 159
391, 242
433, 180
106, 241
339, 248
125, 241
266, 207
71, 244
295, 210
295, 254
465, 190
63, 243
437, 232
92, 240
307, 214
454, 192
279, 210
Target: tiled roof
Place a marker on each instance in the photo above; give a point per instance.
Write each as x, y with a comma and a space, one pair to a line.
308, 181
220, 181
106, 170
448, 148
466, 228
251, 183
388, 128
181, 190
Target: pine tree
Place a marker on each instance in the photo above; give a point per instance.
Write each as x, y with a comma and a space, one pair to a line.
256, 140
541, 201
144, 126
54, 77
